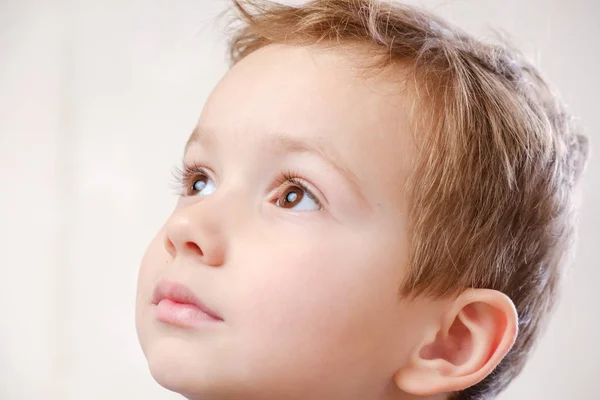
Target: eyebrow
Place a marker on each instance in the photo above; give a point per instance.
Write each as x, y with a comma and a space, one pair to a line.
207, 138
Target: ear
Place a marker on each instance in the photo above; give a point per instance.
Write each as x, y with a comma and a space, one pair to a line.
462, 348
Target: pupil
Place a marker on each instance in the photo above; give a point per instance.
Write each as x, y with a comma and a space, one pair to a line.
291, 197
199, 185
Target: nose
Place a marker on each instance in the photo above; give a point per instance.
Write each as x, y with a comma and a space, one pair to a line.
194, 232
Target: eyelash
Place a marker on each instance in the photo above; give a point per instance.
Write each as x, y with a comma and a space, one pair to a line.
186, 175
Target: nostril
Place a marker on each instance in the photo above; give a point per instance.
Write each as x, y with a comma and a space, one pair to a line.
194, 248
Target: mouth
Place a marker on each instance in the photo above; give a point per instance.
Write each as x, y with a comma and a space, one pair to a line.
175, 304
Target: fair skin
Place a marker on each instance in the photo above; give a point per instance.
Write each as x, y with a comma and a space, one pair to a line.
306, 282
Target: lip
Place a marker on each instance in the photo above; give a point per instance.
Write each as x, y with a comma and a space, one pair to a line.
176, 304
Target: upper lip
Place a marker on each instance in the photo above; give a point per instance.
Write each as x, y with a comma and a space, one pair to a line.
180, 293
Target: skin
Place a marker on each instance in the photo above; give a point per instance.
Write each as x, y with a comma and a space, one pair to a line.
308, 293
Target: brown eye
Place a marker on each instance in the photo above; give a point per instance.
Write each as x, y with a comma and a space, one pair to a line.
297, 197
291, 197
203, 186
200, 184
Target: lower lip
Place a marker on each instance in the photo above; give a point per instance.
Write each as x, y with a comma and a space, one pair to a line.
182, 315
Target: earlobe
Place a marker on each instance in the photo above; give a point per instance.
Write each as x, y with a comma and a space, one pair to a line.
470, 340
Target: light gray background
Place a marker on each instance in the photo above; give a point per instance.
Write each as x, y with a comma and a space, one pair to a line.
96, 101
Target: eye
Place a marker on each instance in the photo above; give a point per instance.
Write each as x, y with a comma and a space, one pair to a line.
203, 186
193, 180
297, 197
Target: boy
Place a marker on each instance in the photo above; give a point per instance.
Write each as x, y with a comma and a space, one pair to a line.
374, 205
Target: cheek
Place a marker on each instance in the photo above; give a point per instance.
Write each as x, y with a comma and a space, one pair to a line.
318, 298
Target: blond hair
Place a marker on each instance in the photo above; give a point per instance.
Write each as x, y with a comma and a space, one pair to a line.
492, 194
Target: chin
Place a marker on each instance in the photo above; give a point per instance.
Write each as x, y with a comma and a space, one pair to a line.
173, 366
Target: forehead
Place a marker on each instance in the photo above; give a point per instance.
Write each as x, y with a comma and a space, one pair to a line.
316, 94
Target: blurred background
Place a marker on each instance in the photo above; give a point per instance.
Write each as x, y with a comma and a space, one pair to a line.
97, 99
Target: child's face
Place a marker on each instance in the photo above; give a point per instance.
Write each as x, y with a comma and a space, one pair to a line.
308, 293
